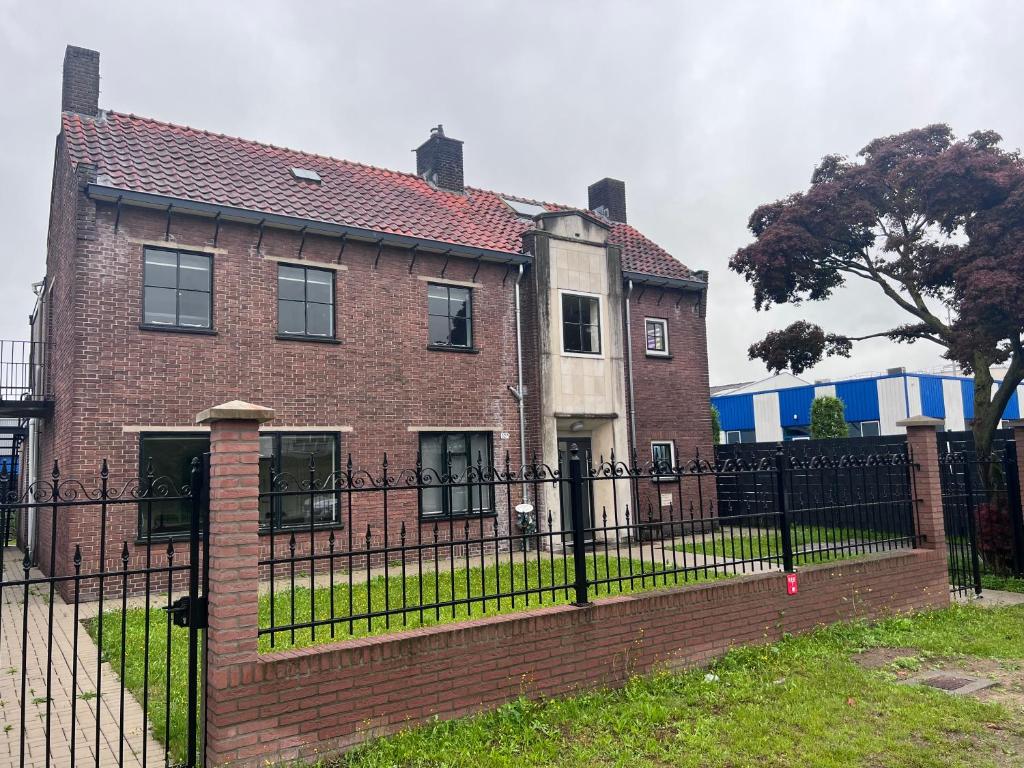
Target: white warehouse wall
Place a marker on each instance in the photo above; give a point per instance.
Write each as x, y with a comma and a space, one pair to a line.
767, 418
892, 404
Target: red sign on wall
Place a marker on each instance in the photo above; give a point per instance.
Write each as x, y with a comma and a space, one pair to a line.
791, 585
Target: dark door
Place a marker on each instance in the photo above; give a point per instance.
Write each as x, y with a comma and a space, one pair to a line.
585, 453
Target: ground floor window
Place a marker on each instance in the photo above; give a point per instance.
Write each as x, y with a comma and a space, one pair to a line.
663, 457
864, 429
166, 460
452, 454
740, 436
289, 461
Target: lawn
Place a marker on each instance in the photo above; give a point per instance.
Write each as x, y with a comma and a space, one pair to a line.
1004, 583
801, 702
759, 544
545, 577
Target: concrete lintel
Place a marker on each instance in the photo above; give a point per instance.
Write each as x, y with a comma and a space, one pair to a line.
235, 410
920, 421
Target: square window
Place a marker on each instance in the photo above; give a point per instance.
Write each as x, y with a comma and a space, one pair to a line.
177, 289
169, 459
449, 316
305, 301
455, 465
581, 324
656, 336
296, 479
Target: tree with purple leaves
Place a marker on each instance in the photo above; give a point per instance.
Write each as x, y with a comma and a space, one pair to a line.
934, 221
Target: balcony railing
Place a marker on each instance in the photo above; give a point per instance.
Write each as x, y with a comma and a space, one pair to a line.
22, 371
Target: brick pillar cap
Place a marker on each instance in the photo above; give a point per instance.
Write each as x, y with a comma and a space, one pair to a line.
920, 421
1014, 423
235, 410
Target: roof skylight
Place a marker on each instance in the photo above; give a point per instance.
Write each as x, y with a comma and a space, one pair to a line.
306, 175
528, 210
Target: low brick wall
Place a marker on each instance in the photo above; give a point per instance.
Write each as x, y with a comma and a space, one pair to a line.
308, 702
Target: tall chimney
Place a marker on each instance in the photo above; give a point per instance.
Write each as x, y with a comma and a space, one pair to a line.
81, 89
439, 161
608, 196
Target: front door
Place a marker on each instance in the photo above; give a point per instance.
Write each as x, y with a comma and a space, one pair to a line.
565, 497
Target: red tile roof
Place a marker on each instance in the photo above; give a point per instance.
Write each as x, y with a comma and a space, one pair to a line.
144, 155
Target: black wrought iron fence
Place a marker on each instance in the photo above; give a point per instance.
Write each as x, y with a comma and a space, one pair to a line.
982, 508
390, 549
100, 668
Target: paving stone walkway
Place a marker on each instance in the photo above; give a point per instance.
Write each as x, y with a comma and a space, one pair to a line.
117, 744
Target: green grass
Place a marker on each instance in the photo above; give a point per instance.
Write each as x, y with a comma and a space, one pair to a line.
758, 544
800, 702
467, 582
1004, 583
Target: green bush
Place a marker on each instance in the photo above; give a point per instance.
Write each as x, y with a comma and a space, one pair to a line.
827, 418
716, 426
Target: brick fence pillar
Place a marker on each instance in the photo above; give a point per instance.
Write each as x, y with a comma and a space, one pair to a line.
233, 590
924, 451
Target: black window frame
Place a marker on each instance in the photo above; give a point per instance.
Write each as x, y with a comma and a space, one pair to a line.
143, 536
306, 269
470, 338
432, 477
663, 322
177, 326
581, 325
280, 525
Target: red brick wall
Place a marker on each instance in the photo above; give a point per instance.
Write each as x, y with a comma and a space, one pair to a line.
308, 702
672, 397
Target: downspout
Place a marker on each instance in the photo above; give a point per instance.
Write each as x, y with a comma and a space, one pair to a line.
520, 392
629, 373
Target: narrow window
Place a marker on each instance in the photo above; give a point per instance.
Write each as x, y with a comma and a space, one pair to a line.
293, 501
449, 316
169, 458
657, 337
177, 289
663, 457
581, 324
453, 463
305, 301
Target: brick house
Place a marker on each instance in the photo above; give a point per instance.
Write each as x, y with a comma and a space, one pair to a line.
375, 310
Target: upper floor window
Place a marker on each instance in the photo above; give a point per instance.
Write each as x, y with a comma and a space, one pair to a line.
452, 466
657, 336
450, 316
581, 324
305, 301
177, 289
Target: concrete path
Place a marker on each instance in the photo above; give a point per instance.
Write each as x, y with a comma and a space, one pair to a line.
115, 748
993, 598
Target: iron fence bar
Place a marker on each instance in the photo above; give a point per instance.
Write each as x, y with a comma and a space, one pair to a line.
196, 483
972, 525
579, 553
783, 510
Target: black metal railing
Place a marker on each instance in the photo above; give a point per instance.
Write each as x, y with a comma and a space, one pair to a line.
94, 624
538, 535
982, 508
22, 365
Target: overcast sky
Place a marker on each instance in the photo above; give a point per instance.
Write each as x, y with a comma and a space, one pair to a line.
705, 110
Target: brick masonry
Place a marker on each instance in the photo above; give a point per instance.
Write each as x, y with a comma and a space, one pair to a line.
314, 701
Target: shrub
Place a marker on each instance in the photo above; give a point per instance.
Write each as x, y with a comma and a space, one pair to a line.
827, 418
716, 426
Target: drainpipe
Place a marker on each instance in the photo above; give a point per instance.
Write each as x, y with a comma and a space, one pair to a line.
520, 393
629, 373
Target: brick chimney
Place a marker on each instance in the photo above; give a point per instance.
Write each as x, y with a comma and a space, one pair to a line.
81, 89
439, 161
608, 197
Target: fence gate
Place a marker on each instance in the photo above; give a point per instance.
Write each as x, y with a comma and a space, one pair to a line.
982, 508
102, 607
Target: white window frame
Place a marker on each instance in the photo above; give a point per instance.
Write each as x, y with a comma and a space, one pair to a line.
876, 422
601, 325
672, 457
737, 432
664, 324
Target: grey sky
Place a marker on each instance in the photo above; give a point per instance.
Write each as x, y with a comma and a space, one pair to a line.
704, 109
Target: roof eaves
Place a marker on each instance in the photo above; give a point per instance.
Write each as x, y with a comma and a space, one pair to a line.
312, 226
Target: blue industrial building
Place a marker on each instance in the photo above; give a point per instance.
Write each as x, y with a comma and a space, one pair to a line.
779, 408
